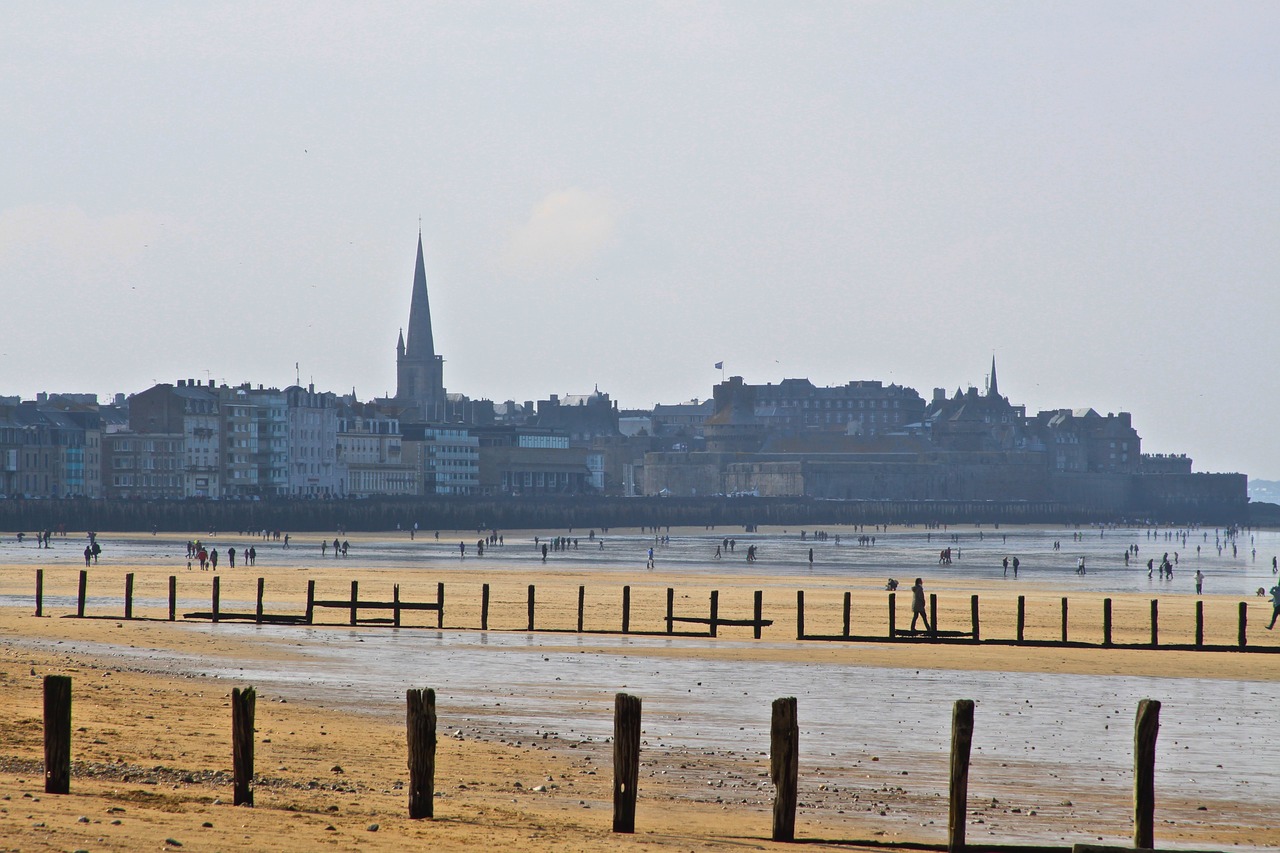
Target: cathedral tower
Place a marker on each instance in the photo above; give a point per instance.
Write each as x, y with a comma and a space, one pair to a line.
419, 371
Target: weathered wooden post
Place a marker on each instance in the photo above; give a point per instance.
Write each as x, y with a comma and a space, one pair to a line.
973, 618
848, 610
1243, 623
532, 594
84, 587
1064, 619
582, 607
484, 608
715, 611
395, 605
355, 600
626, 761
311, 602
128, 596
1155, 621
626, 609
784, 767
961, 742
758, 612
173, 598
421, 724
1022, 617
39, 592
799, 614
242, 708
1199, 623
1146, 727
933, 612
216, 604
1106, 621
57, 734
893, 616
671, 609
440, 604
257, 611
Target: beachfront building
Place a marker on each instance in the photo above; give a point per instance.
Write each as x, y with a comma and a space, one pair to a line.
535, 461
45, 446
370, 453
447, 456
311, 421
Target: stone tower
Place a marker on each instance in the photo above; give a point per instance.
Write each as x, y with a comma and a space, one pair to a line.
419, 371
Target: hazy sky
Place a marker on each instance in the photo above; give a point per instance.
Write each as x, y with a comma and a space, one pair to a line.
623, 194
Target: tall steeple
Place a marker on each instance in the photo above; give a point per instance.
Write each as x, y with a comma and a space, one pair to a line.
420, 343
419, 371
993, 388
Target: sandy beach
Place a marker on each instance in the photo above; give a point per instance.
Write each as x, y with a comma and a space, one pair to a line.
524, 758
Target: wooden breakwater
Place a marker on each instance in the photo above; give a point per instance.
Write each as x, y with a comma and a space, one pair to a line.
548, 513
784, 761
884, 622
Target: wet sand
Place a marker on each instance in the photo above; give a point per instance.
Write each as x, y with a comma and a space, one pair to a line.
151, 694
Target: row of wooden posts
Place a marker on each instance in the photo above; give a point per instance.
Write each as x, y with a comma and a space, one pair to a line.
784, 758
713, 621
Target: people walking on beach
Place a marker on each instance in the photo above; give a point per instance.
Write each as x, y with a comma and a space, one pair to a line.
1080, 566
1199, 582
1006, 566
1016, 563
1275, 605
213, 559
253, 556
324, 547
231, 557
88, 554
917, 606
649, 565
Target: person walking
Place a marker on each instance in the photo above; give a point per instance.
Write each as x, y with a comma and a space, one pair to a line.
1199, 582
1016, 563
917, 606
1275, 605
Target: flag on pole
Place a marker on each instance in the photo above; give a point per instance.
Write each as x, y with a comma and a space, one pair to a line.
719, 365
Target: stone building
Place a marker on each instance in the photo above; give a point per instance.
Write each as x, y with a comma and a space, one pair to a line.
420, 394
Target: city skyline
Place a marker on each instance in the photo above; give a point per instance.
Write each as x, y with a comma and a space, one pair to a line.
622, 197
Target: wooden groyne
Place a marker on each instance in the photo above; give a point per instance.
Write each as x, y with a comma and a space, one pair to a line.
866, 625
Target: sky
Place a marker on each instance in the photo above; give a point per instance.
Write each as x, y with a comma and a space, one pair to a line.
619, 195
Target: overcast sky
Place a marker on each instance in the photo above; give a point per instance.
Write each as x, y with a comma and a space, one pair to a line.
623, 194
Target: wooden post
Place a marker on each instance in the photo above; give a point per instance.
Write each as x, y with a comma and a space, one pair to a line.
57, 734
933, 613
758, 612
531, 603
1199, 623
1244, 622
1064, 620
848, 609
355, 599
311, 601
784, 767
39, 592
626, 609
242, 707
893, 616
1022, 617
128, 596
1155, 622
799, 614
84, 586
1145, 729
217, 598
973, 618
582, 606
671, 609
257, 612
626, 761
440, 604
961, 742
715, 611
1106, 621
173, 598
484, 608
395, 605
420, 719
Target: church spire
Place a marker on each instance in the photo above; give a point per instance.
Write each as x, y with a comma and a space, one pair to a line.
421, 344
993, 388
